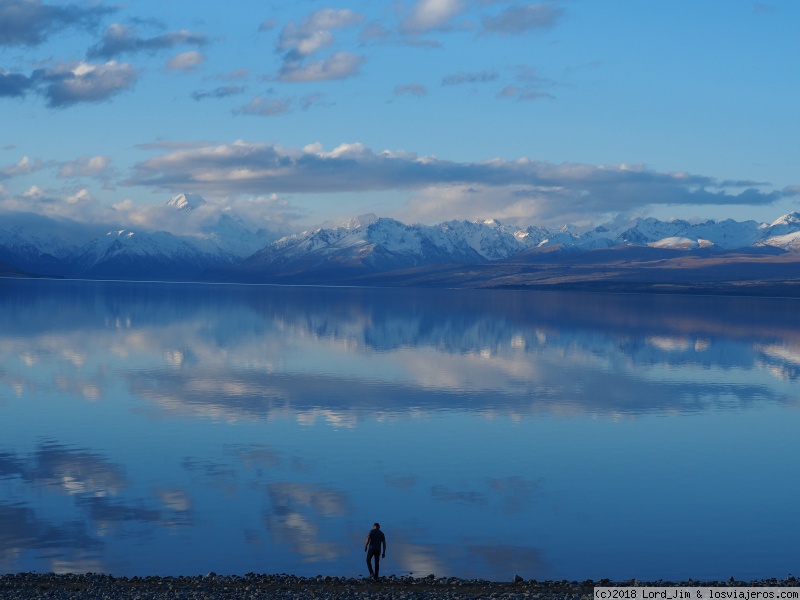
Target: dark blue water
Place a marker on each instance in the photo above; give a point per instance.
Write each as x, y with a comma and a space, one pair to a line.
182, 429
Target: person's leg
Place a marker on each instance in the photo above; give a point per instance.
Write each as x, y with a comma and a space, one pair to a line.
377, 563
369, 563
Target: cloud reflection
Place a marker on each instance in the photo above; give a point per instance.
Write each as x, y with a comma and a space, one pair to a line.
294, 519
73, 488
22, 530
341, 355
75, 472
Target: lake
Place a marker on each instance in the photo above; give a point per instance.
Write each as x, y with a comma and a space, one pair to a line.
173, 429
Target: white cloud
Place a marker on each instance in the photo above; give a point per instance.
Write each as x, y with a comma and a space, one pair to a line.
82, 196
298, 42
33, 192
427, 15
84, 82
185, 61
85, 166
336, 66
22, 167
314, 32
440, 189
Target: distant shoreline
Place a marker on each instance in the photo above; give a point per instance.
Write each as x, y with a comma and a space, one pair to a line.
789, 289
93, 585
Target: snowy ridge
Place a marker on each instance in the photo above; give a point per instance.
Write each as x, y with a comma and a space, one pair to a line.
186, 202
367, 243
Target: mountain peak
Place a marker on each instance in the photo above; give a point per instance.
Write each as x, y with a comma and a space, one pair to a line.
186, 202
360, 221
792, 218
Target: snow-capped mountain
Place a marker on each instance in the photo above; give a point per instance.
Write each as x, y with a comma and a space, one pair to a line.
223, 245
59, 247
186, 202
139, 255
367, 242
782, 233
230, 236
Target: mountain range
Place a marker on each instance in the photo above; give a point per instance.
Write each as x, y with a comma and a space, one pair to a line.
645, 254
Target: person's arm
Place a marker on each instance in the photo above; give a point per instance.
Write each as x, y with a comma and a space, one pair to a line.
366, 543
384, 547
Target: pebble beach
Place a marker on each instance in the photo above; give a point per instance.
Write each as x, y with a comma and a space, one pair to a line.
287, 587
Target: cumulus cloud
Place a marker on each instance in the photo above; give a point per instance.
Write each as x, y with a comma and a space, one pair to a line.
440, 188
298, 42
185, 61
518, 20
314, 32
85, 166
339, 65
69, 84
75, 203
30, 22
120, 39
428, 15
21, 167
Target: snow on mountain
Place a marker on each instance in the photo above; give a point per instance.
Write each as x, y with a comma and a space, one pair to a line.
217, 237
223, 234
150, 255
125, 242
782, 233
728, 235
369, 242
39, 244
532, 236
230, 238
186, 202
791, 220
680, 243
16, 249
489, 238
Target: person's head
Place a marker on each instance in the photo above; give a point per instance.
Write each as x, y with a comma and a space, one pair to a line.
376, 526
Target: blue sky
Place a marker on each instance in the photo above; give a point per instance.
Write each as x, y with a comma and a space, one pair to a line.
312, 111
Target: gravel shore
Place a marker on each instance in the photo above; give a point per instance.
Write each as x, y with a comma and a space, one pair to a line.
288, 587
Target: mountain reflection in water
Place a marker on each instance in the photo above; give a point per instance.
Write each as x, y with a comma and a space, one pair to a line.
178, 428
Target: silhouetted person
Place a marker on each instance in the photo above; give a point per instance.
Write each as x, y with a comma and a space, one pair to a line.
375, 540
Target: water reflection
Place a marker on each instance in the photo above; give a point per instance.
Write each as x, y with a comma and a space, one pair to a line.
182, 429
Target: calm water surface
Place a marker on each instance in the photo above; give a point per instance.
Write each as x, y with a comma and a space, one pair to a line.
181, 429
